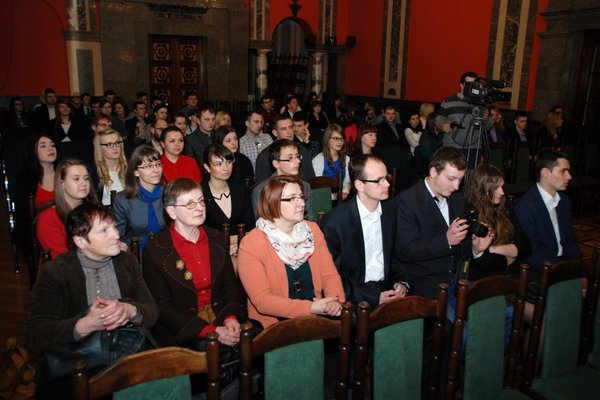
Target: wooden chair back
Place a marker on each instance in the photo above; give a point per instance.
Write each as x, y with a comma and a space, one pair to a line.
397, 328
484, 304
297, 344
138, 375
335, 185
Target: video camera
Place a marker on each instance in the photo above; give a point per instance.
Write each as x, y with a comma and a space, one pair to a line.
484, 92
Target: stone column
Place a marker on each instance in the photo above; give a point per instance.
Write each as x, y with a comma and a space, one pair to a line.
317, 72
262, 80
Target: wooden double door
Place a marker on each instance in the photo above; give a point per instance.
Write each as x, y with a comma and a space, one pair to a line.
177, 64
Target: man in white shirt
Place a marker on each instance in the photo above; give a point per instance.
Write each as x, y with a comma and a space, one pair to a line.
360, 234
544, 212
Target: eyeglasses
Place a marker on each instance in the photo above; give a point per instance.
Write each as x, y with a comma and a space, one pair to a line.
380, 181
157, 164
337, 138
292, 158
191, 204
295, 199
111, 145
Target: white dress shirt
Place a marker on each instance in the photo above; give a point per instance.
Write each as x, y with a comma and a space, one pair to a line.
551, 203
373, 241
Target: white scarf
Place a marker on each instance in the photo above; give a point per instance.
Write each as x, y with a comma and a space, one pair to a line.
292, 249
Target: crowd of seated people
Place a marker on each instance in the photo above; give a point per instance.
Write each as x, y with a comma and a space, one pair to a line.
179, 179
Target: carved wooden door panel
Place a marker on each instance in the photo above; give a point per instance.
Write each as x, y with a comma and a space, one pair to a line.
177, 64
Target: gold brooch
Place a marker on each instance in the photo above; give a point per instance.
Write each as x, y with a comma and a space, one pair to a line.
187, 274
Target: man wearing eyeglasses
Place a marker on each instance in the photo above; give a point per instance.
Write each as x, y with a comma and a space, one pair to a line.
283, 128
431, 229
285, 157
360, 234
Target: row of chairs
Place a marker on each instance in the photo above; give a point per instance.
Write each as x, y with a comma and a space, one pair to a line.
388, 347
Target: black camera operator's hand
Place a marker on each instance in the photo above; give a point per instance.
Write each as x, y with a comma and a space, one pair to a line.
457, 231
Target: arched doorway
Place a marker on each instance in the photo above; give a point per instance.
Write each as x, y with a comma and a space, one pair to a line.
289, 62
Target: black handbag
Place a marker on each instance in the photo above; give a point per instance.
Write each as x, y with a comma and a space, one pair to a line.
99, 349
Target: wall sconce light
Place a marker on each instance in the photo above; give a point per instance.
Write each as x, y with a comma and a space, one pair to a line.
330, 41
350, 41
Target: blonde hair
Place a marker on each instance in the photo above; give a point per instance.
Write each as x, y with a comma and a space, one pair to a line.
101, 169
219, 117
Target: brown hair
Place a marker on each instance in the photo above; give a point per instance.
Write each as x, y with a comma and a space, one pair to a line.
60, 203
479, 194
141, 154
331, 128
269, 205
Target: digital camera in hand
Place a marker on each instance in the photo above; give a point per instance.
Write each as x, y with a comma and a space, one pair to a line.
475, 227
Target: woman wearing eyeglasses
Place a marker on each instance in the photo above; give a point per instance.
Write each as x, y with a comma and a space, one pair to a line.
229, 200
176, 165
284, 263
189, 272
108, 170
333, 159
139, 209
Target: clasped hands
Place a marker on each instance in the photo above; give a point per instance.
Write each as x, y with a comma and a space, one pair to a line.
105, 314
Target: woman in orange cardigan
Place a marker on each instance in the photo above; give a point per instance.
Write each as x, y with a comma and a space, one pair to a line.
284, 263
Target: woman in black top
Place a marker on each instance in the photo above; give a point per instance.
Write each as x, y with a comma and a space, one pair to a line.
229, 199
485, 196
242, 167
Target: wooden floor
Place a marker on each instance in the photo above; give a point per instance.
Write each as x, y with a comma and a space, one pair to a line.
15, 292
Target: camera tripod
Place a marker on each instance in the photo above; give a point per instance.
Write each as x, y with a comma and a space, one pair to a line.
476, 142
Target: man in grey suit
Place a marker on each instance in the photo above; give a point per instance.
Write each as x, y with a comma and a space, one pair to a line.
360, 234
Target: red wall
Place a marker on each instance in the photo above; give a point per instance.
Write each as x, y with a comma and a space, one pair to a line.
446, 39
33, 47
363, 62
540, 26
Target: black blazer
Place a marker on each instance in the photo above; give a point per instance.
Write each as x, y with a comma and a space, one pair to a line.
264, 169
176, 297
194, 146
344, 236
426, 258
386, 136
241, 208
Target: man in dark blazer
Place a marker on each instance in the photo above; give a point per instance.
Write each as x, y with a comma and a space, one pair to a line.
389, 132
200, 138
360, 234
431, 244
544, 212
43, 113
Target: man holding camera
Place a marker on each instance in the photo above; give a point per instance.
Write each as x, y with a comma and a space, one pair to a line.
431, 244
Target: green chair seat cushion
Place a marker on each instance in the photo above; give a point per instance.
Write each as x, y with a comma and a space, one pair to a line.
174, 388
581, 384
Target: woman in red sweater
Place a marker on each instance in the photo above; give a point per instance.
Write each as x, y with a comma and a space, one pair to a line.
176, 165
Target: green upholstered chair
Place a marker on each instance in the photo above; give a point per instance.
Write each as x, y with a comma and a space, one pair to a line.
327, 192
294, 357
153, 374
567, 333
397, 329
483, 304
